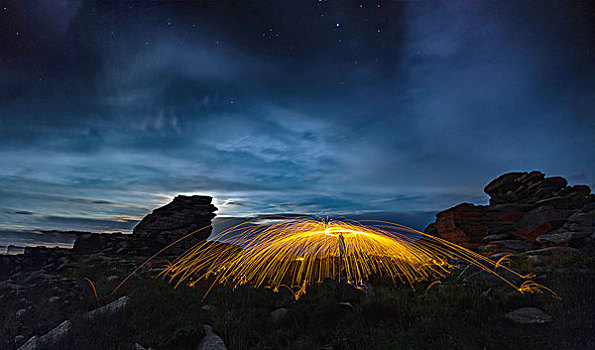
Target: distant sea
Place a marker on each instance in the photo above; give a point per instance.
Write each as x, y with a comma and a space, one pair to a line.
14, 241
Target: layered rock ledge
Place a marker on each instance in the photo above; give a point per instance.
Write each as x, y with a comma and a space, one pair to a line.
526, 210
180, 217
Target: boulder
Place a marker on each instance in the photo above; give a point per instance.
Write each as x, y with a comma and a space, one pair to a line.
107, 309
278, 314
528, 315
523, 187
347, 305
48, 339
581, 225
211, 341
31, 344
556, 237
475, 275
207, 308
55, 334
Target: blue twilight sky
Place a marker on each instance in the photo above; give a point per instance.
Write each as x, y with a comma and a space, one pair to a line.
108, 109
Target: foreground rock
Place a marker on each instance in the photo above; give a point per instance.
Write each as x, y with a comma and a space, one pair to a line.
278, 314
529, 315
211, 341
108, 309
526, 211
49, 338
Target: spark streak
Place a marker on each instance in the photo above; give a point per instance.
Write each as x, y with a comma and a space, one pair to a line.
302, 251
92, 286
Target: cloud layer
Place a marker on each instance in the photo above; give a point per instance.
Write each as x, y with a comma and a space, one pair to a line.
110, 110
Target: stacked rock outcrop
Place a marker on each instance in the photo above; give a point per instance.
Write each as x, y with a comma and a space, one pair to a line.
527, 210
183, 215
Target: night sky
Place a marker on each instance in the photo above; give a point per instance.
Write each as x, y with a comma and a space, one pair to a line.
108, 109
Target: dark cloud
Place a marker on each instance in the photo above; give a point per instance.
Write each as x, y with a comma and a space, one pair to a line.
76, 223
109, 109
21, 212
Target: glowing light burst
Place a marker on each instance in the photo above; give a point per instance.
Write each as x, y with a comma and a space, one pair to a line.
302, 251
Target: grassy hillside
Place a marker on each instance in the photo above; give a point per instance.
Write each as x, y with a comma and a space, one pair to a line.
454, 315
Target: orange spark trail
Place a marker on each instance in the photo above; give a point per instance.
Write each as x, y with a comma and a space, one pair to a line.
299, 252
92, 286
158, 253
431, 285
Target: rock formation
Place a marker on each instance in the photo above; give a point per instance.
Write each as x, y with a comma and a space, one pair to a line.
530, 188
184, 215
42, 278
526, 211
211, 341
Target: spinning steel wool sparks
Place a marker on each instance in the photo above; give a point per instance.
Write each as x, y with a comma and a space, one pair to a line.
298, 252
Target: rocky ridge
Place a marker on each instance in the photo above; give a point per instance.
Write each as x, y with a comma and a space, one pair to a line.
43, 291
45, 279
182, 216
526, 211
